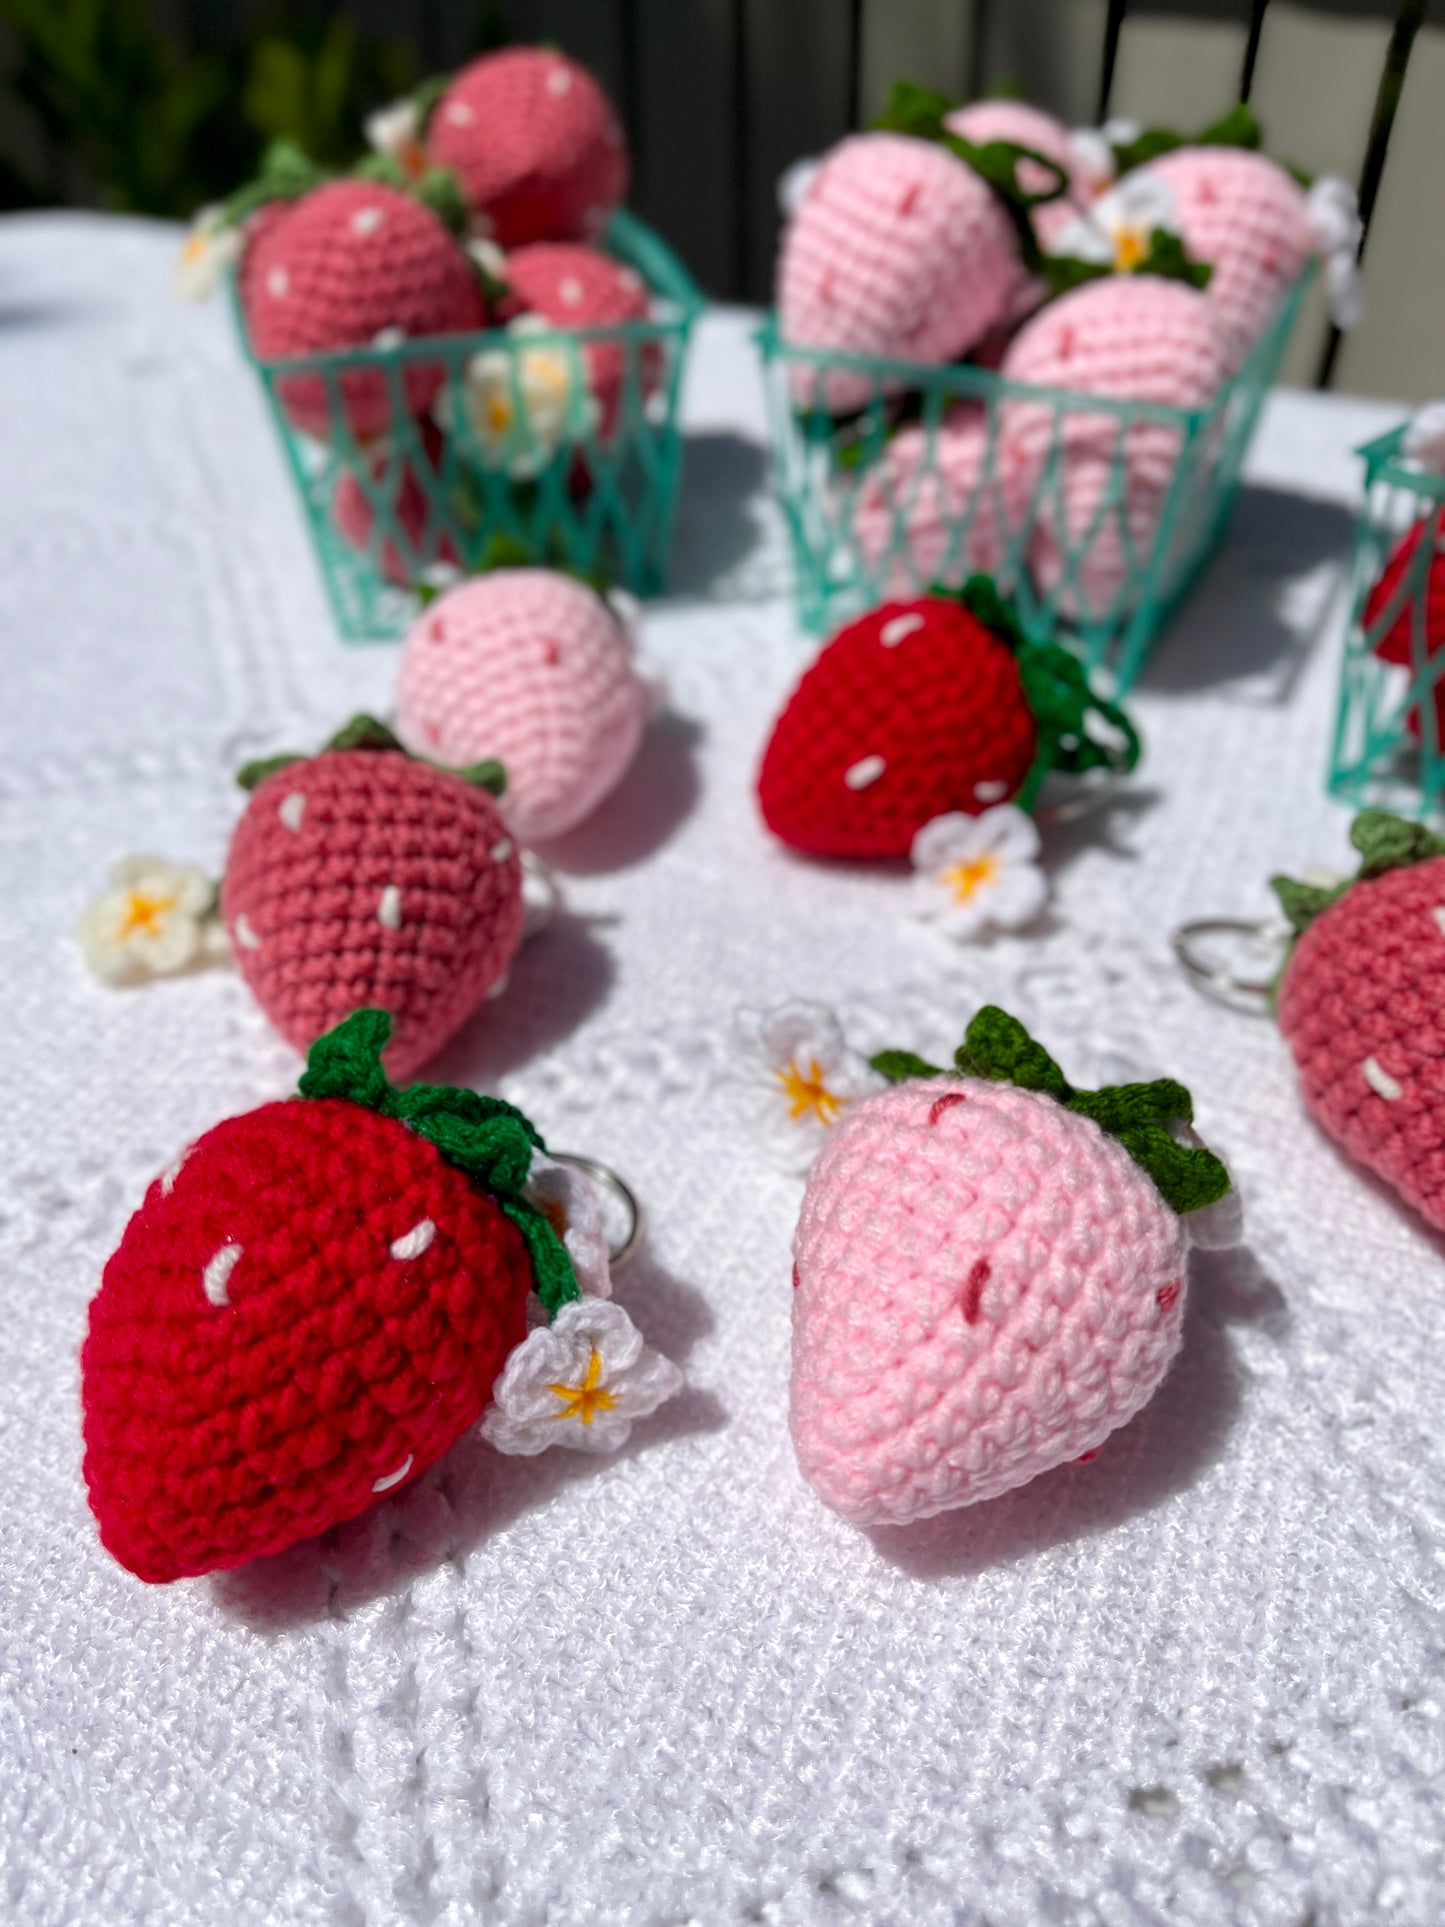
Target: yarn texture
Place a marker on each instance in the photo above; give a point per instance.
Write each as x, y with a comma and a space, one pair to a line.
1361, 1003
533, 668
363, 877
576, 287
405, 491
351, 261
899, 249
535, 143
909, 514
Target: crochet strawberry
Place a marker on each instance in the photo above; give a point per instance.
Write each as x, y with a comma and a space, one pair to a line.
1361, 1002
535, 144
351, 264
919, 708
990, 1271
576, 287
308, 1311
923, 513
362, 876
407, 490
1397, 644
534, 668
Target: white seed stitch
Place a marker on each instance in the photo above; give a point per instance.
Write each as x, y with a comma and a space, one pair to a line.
172, 1172
243, 934
499, 852
990, 792
1439, 915
559, 81
278, 283
293, 808
394, 1478
459, 114
391, 337
899, 629
570, 291
216, 1278
1380, 1081
388, 911
867, 771
414, 1242
366, 220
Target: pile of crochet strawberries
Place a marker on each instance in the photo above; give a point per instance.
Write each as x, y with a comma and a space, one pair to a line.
482, 206
1122, 264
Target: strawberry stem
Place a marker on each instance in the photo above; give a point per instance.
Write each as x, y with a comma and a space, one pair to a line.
365, 732
1385, 842
488, 1140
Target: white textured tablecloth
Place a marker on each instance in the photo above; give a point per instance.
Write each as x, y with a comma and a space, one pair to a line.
1198, 1680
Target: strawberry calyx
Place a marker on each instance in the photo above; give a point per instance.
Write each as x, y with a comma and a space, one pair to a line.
1143, 1117
365, 732
1058, 693
488, 1140
1385, 842
287, 173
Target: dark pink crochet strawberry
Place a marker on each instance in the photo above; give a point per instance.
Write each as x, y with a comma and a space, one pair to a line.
921, 708
573, 286
356, 264
363, 876
1361, 1002
535, 145
411, 493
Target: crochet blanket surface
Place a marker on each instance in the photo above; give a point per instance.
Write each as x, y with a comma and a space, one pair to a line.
1195, 1680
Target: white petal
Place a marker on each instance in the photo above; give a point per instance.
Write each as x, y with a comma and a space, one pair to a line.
794, 183
1016, 896
946, 840
1009, 832
1084, 240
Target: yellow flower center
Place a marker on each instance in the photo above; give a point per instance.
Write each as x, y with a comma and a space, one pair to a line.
412, 156
499, 414
195, 246
966, 877
586, 1400
143, 913
806, 1092
1131, 246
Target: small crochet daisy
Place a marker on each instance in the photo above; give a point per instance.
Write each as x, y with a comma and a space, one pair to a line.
973, 873
801, 1076
580, 1381
156, 918
522, 405
1117, 230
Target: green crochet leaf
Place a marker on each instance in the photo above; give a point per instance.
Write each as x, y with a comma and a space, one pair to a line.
441, 191
1385, 842
488, 1140
1303, 902
286, 173
1141, 1117
489, 775
251, 775
1238, 128
1167, 259
900, 1065
424, 98
365, 732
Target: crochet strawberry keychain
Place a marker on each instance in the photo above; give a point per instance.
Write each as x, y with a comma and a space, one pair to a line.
990, 1271
360, 875
322, 1295
1360, 999
923, 708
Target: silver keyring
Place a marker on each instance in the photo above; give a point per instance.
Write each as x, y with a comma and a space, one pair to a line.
542, 914
602, 1174
1214, 975
1088, 798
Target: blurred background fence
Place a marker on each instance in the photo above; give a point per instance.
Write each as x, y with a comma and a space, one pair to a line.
157, 105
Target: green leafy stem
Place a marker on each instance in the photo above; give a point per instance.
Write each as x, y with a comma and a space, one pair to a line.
1385, 842
287, 172
488, 1140
365, 732
998, 1047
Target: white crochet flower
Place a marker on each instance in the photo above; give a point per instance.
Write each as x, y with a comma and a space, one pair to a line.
567, 1199
1333, 210
396, 132
1118, 229
155, 919
549, 383
580, 1381
801, 1076
1424, 440
207, 251
974, 872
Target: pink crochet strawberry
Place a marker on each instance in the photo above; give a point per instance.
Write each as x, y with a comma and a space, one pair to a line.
573, 286
308, 1310
409, 493
535, 144
899, 249
1029, 127
923, 513
1397, 644
533, 668
1093, 485
362, 876
356, 264
1361, 1002
990, 1271
919, 708
1249, 219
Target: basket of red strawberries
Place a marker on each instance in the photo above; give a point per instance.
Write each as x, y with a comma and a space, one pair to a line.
468, 344
1000, 346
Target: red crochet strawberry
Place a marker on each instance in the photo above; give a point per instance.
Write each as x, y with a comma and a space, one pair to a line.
576, 287
1397, 644
308, 1311
1361, 1002
365, 876
535, 144
353, 264
920, 708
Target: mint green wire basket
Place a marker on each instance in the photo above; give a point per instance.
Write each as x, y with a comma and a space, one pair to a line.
528, 465
828, 471
1388, 751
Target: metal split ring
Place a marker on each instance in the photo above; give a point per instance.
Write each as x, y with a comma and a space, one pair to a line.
1216, 976
601, 1174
